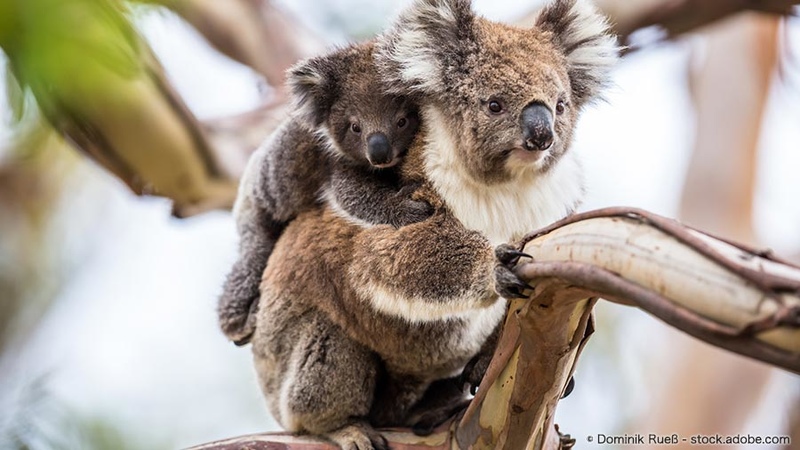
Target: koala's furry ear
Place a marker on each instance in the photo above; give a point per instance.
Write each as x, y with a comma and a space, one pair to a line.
583, 35
315, 87
428, 39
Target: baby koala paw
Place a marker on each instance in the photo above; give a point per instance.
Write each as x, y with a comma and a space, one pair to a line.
507, 283
410, 210
413, 211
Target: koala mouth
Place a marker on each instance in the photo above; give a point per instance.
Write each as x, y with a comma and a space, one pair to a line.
519, 156
520, 152
391, 163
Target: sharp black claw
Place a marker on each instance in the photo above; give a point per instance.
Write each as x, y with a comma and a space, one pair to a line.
517, 254
243, 341
518, 290
509, 255
473, 389
382, 445
422, 429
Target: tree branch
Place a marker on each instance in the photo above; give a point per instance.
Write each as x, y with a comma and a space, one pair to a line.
253, 32
100, 86
676, 17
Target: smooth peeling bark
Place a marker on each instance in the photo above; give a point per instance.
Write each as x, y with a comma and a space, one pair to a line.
515, 405
727, 295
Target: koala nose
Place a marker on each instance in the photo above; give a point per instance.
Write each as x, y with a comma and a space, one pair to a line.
537, 127
379, 150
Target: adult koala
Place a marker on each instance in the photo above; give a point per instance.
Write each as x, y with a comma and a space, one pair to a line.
357, 321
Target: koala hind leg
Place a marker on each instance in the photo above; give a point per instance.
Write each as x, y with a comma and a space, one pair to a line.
328, 384
238, 304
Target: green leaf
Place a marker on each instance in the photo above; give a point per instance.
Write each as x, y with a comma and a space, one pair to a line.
15, 94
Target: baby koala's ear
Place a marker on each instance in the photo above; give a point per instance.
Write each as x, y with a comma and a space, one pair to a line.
314, 84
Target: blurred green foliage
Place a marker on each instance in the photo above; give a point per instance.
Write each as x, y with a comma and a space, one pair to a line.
56, 46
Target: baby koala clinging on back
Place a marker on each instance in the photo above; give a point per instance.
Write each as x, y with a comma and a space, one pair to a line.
341, 146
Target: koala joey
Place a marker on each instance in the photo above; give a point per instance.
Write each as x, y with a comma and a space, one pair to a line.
343, 143
361, 325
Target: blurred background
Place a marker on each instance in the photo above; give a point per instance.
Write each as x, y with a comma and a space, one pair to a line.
119, 118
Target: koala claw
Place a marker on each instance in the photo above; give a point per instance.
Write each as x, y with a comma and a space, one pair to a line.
508, 284
358, 436
508, 255
473, 372
243, 341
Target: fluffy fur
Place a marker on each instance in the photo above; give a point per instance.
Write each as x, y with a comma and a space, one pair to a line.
395, 311
328, 147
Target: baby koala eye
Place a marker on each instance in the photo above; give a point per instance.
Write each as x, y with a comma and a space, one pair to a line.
495, 106
356, 128
402, 123
561, 106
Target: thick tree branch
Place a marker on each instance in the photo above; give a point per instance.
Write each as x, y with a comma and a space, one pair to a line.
738, 298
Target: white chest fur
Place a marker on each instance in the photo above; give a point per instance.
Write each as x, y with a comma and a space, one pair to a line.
501, 212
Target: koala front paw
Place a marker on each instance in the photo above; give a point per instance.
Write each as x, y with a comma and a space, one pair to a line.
474, 371
507, 283
413, 211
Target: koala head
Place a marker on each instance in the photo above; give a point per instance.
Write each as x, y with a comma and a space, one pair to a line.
342, 95
509, 96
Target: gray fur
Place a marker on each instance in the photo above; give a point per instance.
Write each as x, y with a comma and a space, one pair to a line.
313, 154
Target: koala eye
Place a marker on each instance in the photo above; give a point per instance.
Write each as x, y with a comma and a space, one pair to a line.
495, 106
402, 123
561, 106
356, 128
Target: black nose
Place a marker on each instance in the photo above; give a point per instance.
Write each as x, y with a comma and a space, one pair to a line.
537, 127
379, 151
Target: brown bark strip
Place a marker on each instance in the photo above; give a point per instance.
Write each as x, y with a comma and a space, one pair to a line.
681, 16
675, 17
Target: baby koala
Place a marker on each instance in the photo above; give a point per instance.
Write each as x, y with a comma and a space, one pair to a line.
341, 146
